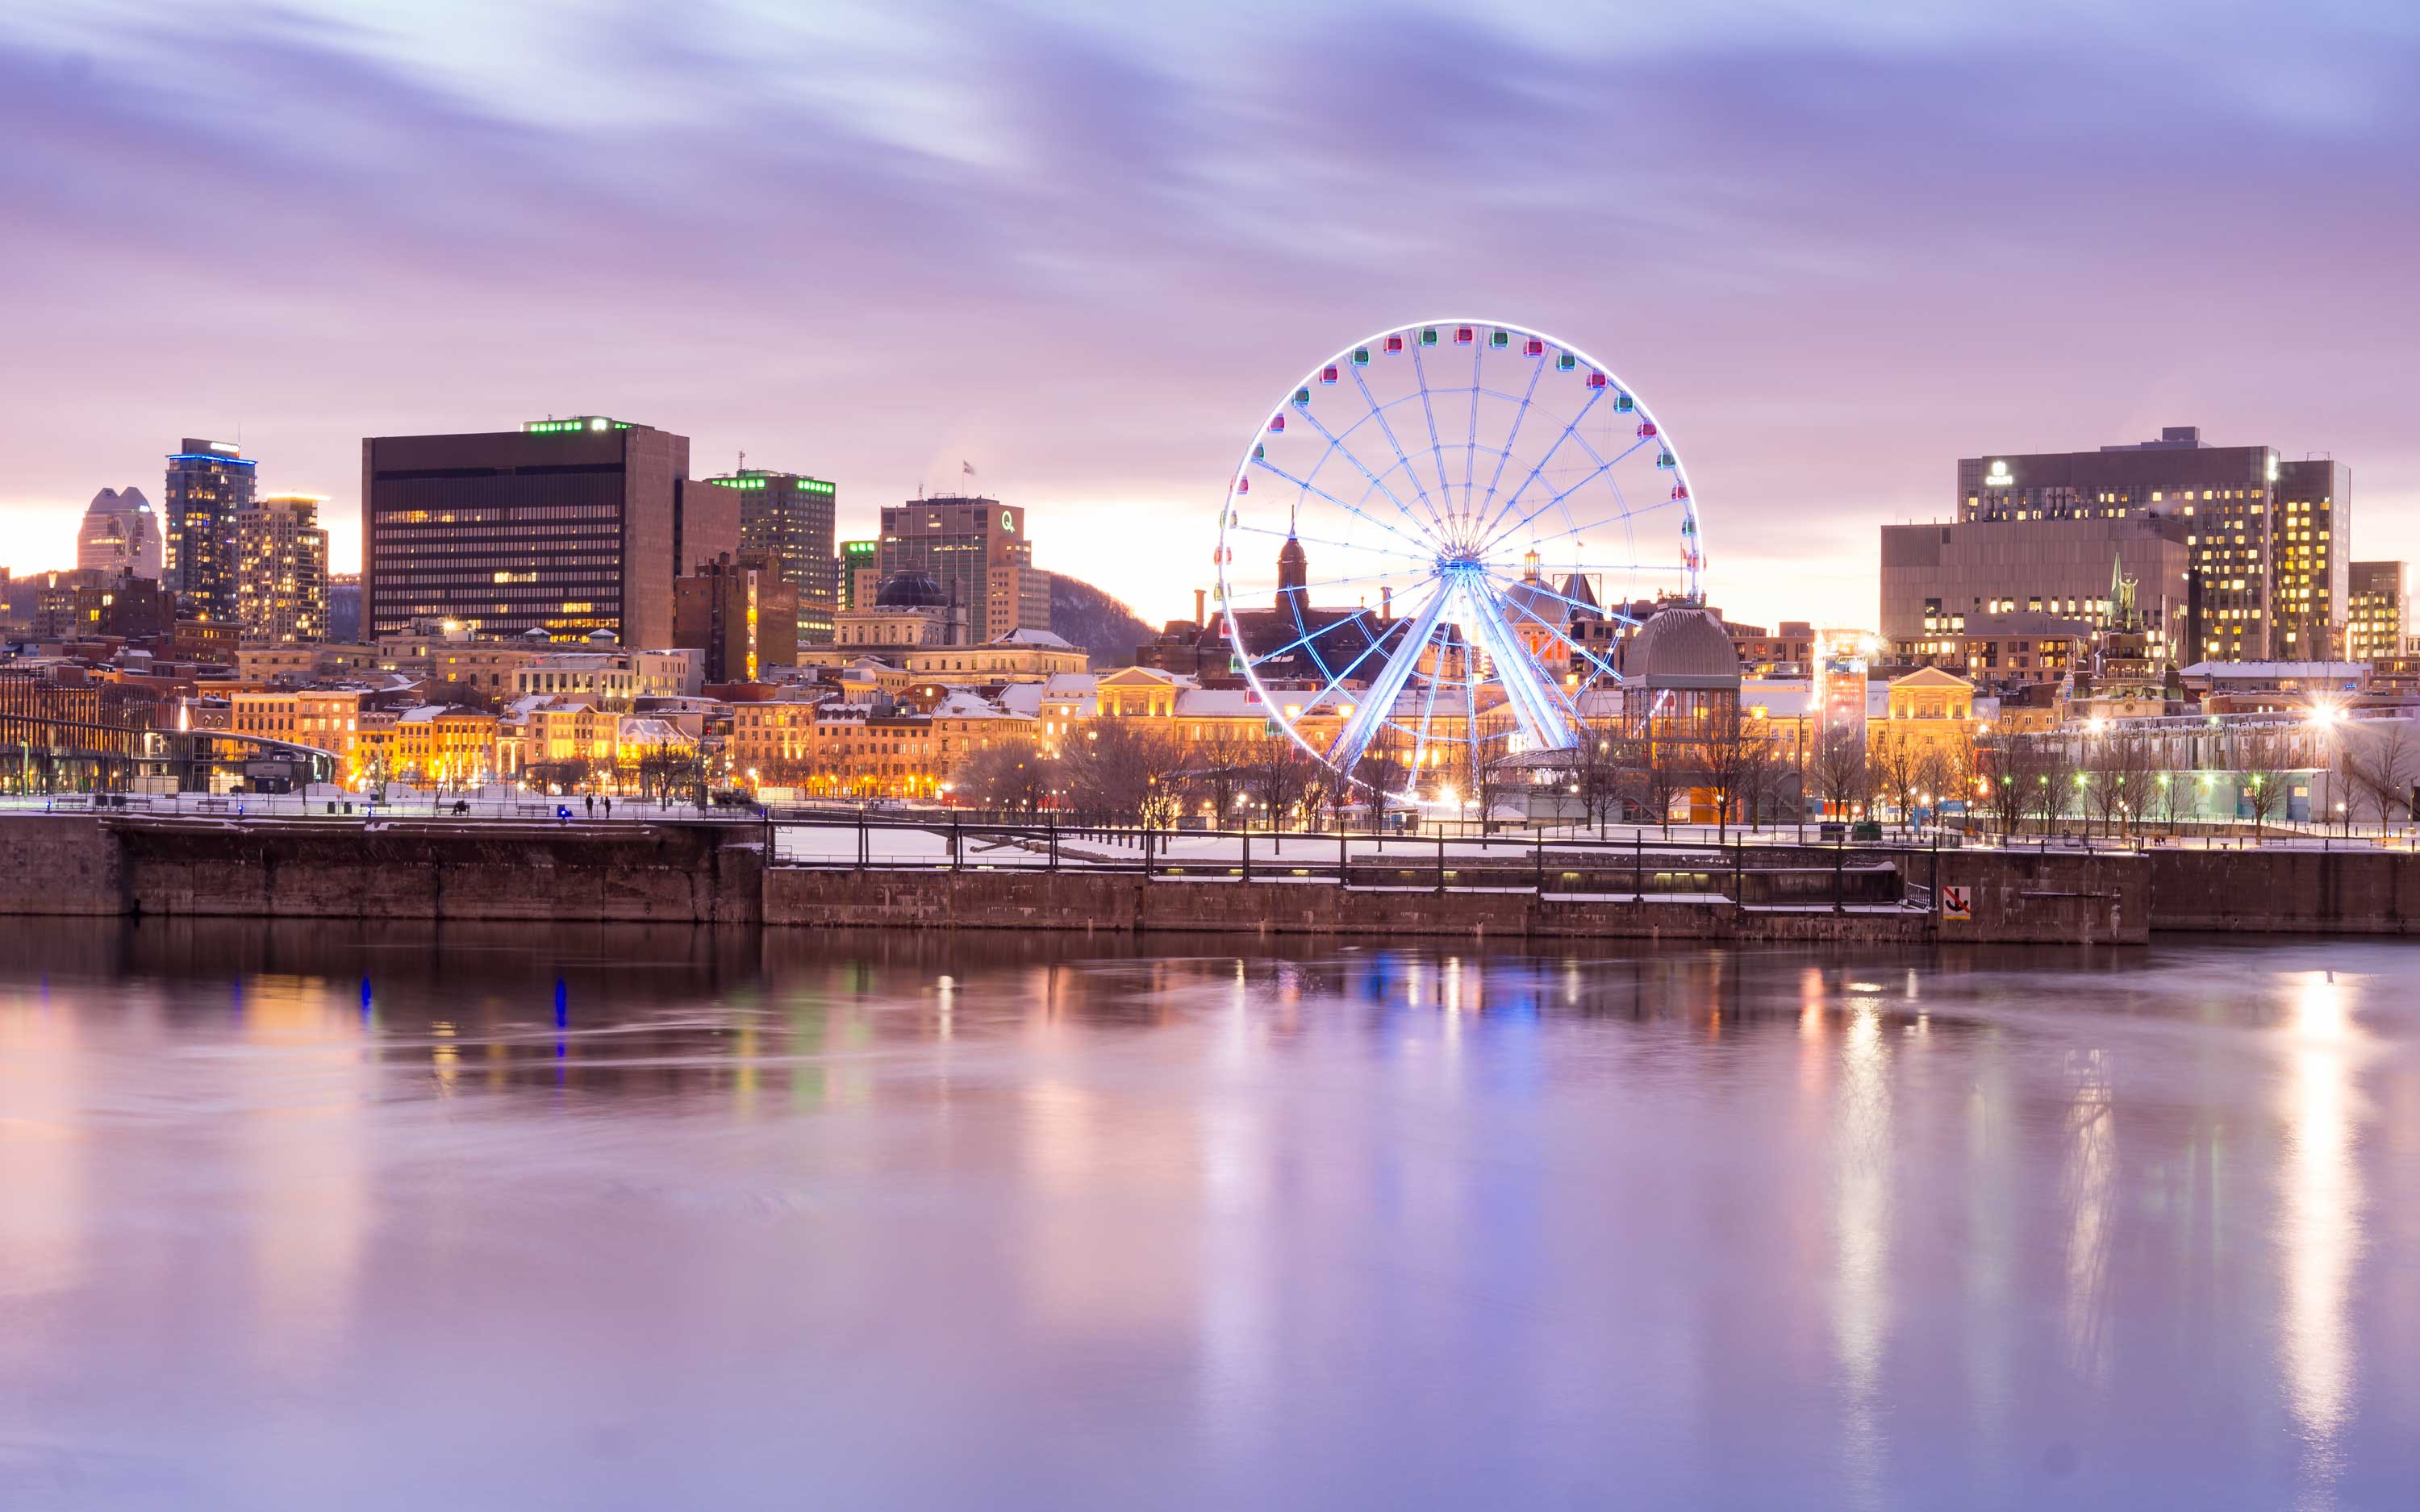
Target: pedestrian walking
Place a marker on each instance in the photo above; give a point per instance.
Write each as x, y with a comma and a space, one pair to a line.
592, 806
609, 807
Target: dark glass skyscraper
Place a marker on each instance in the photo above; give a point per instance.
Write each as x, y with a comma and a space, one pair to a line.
568, 526
787, 519
210, 484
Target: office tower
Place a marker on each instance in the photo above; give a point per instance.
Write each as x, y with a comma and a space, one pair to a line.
210, 484
741, 613
860, 570
2374, 613
2229, 497
2310, 582
787, 519
122, 534
976, 550
282, 569
568, 526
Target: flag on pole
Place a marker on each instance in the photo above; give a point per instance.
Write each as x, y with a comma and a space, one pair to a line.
966, 468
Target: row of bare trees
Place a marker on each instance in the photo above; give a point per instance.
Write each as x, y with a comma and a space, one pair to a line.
1126, 772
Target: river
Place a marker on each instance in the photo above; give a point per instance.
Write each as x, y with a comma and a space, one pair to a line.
320, 1215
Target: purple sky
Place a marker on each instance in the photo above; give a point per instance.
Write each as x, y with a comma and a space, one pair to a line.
1086, 248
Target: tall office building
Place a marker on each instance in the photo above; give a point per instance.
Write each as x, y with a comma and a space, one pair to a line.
859, 568
976, 550
787, 519
2311, 526
2374, 610
282, 569
210, 484
120, 535
569, 526
2229, 497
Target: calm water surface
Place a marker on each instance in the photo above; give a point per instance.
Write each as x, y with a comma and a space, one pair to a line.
318, 1216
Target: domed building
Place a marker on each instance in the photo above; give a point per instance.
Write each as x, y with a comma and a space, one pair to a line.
1682, 649
120, 535
911, 611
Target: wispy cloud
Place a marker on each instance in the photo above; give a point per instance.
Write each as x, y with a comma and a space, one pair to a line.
1094, 242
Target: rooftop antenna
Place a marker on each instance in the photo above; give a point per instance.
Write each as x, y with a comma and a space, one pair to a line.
743, 460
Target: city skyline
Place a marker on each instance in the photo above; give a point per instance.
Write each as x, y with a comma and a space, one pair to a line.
1093, 273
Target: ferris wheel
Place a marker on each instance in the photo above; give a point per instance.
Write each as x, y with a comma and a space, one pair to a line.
1432, 545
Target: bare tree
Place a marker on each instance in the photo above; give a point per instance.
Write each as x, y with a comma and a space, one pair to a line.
2010, 765
1937, 775
1013, 775
1840, 766
2056, 777
1218, 767
2383, 770
1732, 745
1891, 759
2262, 761
1277, 771
1126, 772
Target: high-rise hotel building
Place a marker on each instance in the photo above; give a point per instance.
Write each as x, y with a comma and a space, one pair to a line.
210, 484
786, 518
2266, 537
976, 550
568, 526
282, 569
2374, 610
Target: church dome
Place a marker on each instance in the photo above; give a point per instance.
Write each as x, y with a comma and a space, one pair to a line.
911, 590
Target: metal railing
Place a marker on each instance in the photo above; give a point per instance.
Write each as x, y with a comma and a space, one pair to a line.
1632, 868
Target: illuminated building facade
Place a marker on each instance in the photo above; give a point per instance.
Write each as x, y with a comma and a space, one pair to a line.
2261, 570
2374, 611
2312, 572
786, 518
1936, 577
741, 613
209, 487
282, 569
564, 526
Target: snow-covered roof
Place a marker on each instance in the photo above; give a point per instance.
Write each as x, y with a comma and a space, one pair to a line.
964, 705
1022, 636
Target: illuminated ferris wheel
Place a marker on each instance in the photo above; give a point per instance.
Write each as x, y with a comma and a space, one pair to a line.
1433, 543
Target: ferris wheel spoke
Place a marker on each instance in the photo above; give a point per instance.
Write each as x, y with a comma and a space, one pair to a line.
1622, 518
1341, 546
1336, 446
1470, 437
1559, 633
1534, 696
1602, 469
1423, 550
1420, 743
1305, 640
1344, 752
1386, 429
1569, 430
1436, 448
1537, 370
1540, 588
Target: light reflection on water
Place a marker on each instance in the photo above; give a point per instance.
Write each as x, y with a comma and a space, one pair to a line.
313, 1216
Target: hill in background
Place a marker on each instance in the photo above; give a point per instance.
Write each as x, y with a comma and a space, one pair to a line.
1083, 615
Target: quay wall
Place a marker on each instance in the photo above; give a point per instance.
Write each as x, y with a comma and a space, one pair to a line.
2292, 892
681, 873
